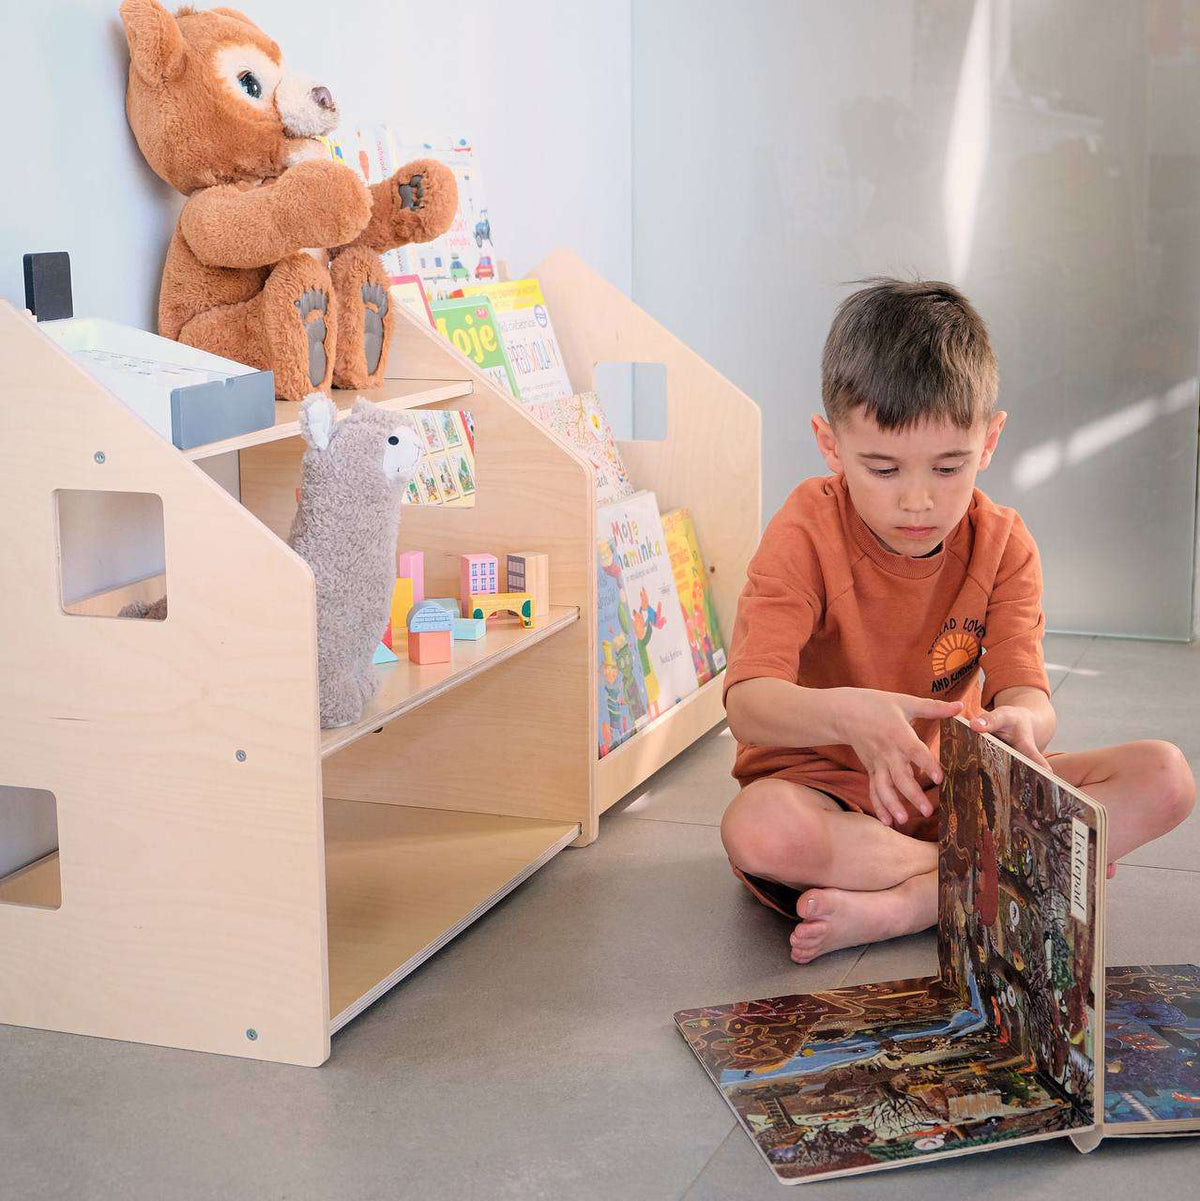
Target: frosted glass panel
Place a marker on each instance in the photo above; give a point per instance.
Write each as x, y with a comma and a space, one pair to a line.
1042, 154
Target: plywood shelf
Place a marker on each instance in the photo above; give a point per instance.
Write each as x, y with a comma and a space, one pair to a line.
404, 881
392, 394
638, 758
407, 685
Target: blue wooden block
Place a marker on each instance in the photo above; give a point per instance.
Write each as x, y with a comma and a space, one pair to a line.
469, 629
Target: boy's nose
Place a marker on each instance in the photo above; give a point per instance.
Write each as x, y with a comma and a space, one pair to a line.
916, 502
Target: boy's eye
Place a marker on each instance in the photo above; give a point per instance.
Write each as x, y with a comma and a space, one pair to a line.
882, 472
948, 470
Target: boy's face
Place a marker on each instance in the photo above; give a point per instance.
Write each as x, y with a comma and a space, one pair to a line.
910, 486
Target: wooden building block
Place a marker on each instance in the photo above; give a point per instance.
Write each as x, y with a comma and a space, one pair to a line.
410, 564
518, 603
430, 647
529, 571
477, 576
402, 602
468, 629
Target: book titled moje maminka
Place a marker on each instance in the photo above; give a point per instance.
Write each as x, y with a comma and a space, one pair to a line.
1009, 1043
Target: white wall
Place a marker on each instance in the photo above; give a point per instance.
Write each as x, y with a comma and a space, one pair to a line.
543, 89
1042, 155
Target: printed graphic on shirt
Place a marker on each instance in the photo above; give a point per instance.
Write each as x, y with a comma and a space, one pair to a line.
955, 652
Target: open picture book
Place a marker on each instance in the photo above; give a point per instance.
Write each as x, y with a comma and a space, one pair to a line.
1003, 1046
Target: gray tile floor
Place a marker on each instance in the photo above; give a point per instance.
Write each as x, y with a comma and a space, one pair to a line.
535, 1057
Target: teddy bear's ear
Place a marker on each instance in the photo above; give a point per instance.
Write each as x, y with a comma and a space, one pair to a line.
317, 417
156, 45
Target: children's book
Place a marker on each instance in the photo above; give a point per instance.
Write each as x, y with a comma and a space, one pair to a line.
465, 253
470, 325
409, 292
1008, 1043
580, 421
640, 547
445, 473
691, 582
533, 349
622, 705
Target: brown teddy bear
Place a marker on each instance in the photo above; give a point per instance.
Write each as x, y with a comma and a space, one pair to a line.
275, 259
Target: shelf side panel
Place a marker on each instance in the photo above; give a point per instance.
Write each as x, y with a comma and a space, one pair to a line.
711, 458
193, 904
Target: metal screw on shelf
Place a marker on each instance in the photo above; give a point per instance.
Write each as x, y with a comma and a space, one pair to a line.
240, 756
99, 456
252, 1034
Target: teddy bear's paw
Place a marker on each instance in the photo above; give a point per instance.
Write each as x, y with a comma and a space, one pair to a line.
412, 193
375, 302
312, 307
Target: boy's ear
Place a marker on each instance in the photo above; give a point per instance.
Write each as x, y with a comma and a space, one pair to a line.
827, 444
156, 47
992, 437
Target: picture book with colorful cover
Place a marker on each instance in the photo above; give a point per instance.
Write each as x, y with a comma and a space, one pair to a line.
1152, 1050
469, 324
691, 581
445, 473
622, 706
409, 292
466, 253
640, 547
1001, 1047
580, 422
528, 334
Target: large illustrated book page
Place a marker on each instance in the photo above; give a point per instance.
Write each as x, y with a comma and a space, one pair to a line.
1152, 1050
999, 1048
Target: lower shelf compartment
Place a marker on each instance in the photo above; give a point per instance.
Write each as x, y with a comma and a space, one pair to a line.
620, 771
402, 882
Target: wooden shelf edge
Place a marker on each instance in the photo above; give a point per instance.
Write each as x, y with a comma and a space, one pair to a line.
393, 394
635, 761
443, 678
351, 1011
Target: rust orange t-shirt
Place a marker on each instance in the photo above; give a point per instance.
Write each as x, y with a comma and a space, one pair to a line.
826, 605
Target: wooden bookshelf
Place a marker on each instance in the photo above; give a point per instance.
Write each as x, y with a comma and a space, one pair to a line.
232, 878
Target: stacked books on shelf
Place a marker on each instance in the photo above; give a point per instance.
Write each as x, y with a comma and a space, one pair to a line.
652, 599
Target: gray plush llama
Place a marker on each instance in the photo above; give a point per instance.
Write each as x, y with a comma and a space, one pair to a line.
355, 472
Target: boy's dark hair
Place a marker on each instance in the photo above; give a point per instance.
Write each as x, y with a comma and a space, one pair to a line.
907, 353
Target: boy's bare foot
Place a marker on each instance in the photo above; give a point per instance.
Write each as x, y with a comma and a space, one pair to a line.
832, 918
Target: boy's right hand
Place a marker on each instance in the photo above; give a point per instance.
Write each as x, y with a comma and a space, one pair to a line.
877, 726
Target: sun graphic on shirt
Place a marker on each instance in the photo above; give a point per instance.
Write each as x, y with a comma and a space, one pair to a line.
952, 651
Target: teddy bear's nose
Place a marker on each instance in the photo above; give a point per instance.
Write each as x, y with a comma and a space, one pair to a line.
324, 98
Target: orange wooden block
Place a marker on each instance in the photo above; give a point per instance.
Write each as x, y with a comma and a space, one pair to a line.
431, 647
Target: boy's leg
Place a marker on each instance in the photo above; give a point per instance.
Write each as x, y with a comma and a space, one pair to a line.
1146, 789
872, 882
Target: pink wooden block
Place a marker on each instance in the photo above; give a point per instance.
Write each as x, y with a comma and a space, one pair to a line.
431, 647
410, 564
477, 574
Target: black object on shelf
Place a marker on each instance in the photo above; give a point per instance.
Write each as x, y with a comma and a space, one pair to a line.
48, 285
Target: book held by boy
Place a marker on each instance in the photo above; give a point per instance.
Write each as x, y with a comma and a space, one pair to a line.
1008, 1043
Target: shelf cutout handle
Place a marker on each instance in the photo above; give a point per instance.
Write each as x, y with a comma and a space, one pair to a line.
634, 398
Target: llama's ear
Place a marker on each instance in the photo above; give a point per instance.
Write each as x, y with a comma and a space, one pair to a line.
156, 46
317, 416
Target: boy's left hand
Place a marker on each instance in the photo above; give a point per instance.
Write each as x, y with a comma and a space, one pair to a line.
1014, 725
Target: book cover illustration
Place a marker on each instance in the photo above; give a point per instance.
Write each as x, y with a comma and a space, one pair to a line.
640, 547
580, 422
445, 473
1152, 1050
691, 582
469, 325
998, 1048
622, 706
409, 293
528, 334
466, 253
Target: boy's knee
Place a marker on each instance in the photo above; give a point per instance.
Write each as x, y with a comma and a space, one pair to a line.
1169, 781
766, 833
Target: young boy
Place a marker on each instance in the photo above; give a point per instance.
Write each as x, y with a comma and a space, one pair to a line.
876, 597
